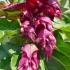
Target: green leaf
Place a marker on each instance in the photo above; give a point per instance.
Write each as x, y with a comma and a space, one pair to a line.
62, 51
21, 1
66, 4
16, 1
66, 18
63, 46
63, 3
68, 35
55, 64
42, 64
58, 21
2, 34
62, 58
67, 11
14, 61
66, 28
7, 25
60, 24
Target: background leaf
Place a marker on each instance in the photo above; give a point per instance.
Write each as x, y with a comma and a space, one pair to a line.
14, 62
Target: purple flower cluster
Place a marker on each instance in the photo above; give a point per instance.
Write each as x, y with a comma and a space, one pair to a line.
40, 32
36, 24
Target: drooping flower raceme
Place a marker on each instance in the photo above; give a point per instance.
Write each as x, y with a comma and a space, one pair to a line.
30, 58
36, 24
